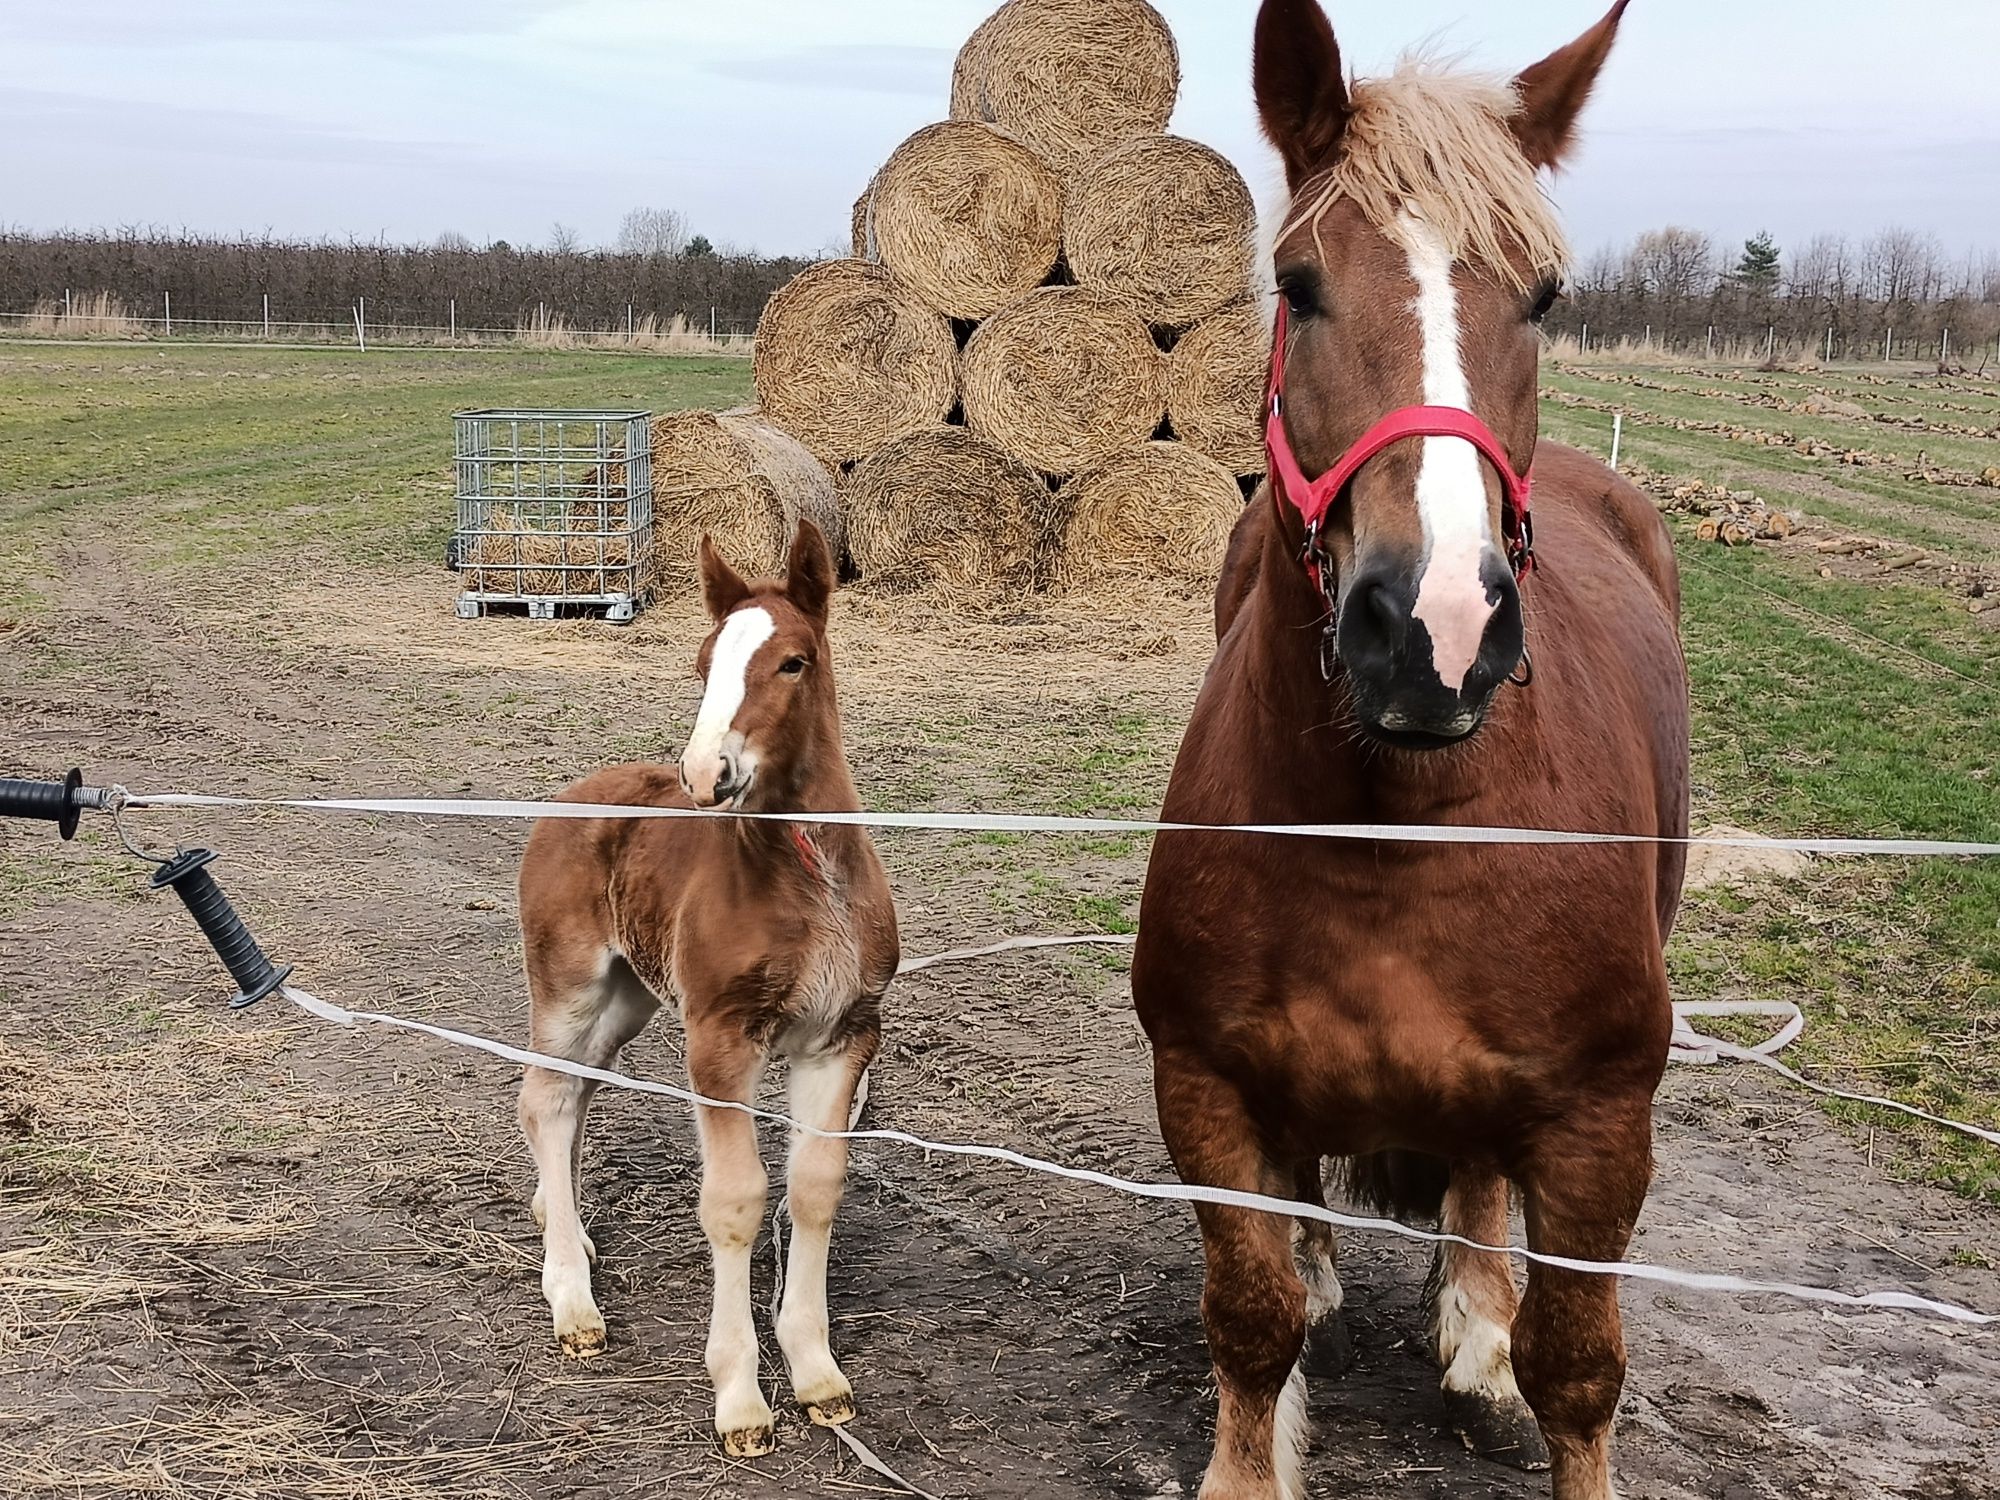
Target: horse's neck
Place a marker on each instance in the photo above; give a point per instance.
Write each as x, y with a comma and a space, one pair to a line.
771, 848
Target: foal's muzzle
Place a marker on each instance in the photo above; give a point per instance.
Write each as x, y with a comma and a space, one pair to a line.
716, 780
1400, 696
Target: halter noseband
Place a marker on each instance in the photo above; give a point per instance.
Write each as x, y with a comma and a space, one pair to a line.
1313, 498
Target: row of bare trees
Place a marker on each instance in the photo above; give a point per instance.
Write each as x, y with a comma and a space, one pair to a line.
655, 267
1680, 290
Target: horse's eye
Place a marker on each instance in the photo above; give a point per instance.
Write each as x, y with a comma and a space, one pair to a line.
1301, 296
791, 666
1547, 295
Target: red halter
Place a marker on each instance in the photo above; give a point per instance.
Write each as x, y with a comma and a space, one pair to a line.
1313, 498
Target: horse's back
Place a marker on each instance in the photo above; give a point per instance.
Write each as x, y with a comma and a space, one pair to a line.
1571, 486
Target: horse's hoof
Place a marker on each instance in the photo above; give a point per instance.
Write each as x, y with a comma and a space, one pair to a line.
835, 1411
749, 1442
583, 1343
1329, 1346
1498, 1428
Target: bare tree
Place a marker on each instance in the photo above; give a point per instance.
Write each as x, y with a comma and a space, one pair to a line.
1673, 264
564, 240
1821, 271
653, 231
1901, 265
452, 240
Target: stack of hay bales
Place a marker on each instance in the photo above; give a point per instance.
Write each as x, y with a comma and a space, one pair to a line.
1041, 367
1096, 274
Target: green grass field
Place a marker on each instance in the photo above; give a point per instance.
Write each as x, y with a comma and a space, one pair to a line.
1855, 705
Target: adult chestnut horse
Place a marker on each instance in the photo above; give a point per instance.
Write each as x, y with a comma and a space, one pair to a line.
771, 937
1448, 1017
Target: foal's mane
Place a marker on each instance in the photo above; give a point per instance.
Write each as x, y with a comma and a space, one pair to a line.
1436, 140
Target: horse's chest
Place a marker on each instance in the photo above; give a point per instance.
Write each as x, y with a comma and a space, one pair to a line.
826, 983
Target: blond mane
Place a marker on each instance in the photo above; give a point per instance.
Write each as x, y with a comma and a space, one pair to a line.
1436, 141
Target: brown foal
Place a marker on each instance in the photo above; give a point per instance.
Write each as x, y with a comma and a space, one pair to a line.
772, 937
1449, 1018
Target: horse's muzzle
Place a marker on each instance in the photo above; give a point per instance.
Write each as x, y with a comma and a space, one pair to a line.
1400, 695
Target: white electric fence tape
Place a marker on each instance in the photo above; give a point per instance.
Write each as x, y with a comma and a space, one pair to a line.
1173, 1191
1409, 833
1687, 1045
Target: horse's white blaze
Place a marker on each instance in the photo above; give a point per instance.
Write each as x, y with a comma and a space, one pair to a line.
1476, 1352
1451, 490
702, 763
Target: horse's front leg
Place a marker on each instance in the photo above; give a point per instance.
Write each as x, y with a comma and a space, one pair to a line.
1253, 1303
1584, 1187
725, 1064
823, 1089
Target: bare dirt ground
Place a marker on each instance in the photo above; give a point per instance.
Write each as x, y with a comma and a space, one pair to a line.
250, 1254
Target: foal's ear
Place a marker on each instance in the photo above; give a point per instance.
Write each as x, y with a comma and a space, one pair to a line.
722, 587
1301, 95
809, 575
1554, 91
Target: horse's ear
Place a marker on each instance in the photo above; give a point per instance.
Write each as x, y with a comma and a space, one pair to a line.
1301, 95
722, 587
1554, 91
809, 575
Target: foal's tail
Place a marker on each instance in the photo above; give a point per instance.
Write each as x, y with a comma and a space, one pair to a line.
1402, 1184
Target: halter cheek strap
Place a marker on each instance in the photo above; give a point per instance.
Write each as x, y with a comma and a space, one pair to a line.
1313, 498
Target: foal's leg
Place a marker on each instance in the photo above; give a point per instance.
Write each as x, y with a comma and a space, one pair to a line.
585, 1017
1253, 1304
725, 1064
1584, 1190
1316, 1247
822, 1092
1472, 1310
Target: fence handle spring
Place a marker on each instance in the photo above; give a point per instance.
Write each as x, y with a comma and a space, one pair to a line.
255, 975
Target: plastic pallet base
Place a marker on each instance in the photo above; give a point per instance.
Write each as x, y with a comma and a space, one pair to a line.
620, 611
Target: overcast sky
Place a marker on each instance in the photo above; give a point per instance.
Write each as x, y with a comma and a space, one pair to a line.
761, 119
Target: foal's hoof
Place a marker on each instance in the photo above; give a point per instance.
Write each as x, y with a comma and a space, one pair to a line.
583, 1343
749, 1442
1497, 1428
835, 1411
1329, 1347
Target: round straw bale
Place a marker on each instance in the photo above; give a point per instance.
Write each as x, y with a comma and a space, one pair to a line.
1165, 222
1152, 511
857, 226
948, 514
847, 358
1069, 77
744, 482
966, 217
1063, 375
1215, 386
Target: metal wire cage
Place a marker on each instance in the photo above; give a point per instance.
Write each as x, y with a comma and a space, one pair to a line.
555, 509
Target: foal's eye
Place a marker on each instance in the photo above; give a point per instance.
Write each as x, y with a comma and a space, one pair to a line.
791, 666
1547, 295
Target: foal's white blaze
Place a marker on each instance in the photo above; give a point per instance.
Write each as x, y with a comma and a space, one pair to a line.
1451, 490
714, 740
